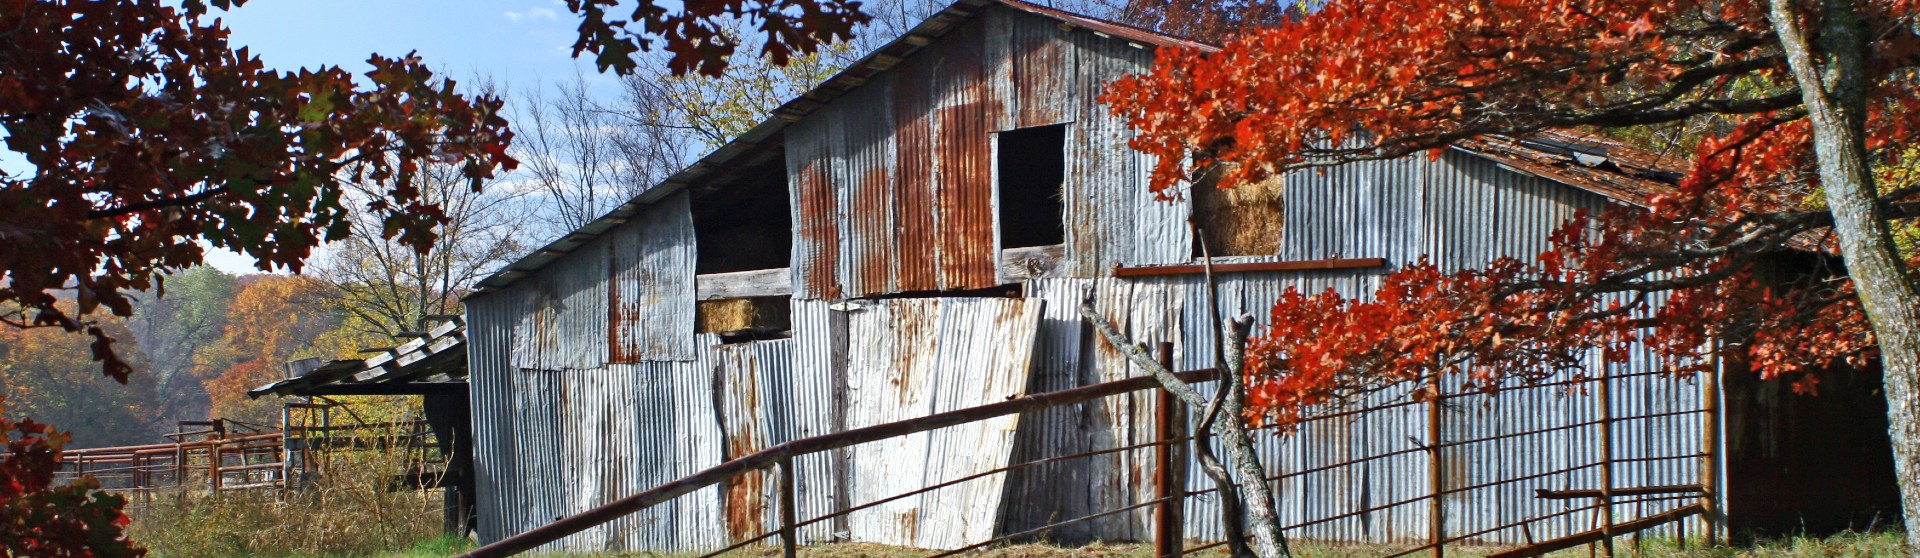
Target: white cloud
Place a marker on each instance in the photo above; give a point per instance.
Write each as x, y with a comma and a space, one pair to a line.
535, 13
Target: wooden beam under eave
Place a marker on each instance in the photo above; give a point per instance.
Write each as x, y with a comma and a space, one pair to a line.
1294, 265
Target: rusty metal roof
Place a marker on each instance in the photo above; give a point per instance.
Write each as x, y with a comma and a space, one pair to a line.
1622, 172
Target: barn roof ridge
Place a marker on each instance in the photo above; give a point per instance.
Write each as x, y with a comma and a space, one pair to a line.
1632, 187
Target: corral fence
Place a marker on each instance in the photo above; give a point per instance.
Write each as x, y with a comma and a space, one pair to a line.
1579, 461
225, 454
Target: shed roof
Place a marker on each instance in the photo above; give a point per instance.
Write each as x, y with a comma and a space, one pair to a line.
1560, 156
433, 359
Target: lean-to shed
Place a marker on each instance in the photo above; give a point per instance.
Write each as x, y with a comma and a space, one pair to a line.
915, 235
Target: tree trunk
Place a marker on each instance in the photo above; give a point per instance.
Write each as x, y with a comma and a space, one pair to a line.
1833, 85
1268, 539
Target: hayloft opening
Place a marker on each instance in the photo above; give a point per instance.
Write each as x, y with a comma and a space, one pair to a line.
1246, 220
742, 221
1031, 164
743, 236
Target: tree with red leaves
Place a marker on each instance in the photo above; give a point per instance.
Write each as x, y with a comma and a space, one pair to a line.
1806, 111
40, 519
147, 131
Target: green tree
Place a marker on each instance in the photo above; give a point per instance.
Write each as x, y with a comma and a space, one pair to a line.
179, 335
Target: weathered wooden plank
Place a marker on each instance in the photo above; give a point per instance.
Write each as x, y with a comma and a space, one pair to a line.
1038, 262
744, 284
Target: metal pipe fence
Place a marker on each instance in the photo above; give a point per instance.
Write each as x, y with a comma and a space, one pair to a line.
1452, 480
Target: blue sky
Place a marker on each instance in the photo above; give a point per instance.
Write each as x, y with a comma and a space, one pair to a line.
517, 42
521, 44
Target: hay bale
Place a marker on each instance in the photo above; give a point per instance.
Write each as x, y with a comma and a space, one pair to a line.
736, 315
1246, 220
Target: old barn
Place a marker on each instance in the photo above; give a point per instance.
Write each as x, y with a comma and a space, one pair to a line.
916, 235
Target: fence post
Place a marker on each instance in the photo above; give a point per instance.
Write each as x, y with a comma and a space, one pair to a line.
213, 463
789, 542
1710, 437
1604, 398
1167, 533
1436, 508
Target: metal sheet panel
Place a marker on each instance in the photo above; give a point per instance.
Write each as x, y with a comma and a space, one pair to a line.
566, 325
1039, 60
652, 298
816, 378
816, 209
1112, 219
908, 203
744, 415
491, 318
913, 357
964, 114
864, 157
913, 174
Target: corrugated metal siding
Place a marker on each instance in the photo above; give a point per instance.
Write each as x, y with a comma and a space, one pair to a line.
652, 299
914, 357
966, 109
1033, 61
1366, 210
894, 182
490, 320
1112, 219
567, 324
816, 209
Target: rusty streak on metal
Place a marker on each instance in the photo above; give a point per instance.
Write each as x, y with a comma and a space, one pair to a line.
765, 458
1295, 265
1601, 534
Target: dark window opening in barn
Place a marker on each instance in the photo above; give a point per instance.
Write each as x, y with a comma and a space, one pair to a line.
742, 220
1246, 220
1031, 164
743, 238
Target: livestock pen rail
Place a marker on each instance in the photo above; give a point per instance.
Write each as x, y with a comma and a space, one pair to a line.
1624, 454
223, 454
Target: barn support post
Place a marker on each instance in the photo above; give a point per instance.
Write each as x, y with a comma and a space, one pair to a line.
789, 545
838, 327
1167, 487
1437, 507
1603, 396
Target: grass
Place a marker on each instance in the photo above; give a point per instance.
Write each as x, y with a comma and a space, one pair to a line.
348, 511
